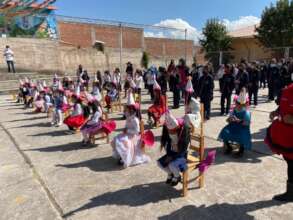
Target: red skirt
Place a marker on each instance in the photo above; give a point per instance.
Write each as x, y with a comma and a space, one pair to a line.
157, 111
74, 121
279, 138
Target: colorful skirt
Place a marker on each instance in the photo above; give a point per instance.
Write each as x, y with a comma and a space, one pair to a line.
180, 163
74, 121
279, 139
65, 107
157, 111
102, 126
236, 133
39, 104
128, 148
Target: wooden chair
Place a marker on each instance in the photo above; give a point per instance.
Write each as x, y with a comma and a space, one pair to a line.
50, 112
195, 155
116, 106
103, 135
141, 125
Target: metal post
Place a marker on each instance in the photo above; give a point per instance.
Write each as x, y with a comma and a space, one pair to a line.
121, 45
185, 37
221, 58
287, 52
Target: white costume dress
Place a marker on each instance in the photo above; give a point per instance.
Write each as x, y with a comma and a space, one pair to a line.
127, 146
192, 113
96, 93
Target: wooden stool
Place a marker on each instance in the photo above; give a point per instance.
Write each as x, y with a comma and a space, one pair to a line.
103, 134
195, 155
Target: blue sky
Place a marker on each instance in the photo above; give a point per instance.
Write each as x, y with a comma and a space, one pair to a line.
195, 12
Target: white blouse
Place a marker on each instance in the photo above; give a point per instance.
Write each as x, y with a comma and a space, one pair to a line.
77, 110
132, 125
96, 117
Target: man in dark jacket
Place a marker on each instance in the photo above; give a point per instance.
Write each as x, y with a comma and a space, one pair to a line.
241, 78
254, 75
227, 85
206, 90
274, 80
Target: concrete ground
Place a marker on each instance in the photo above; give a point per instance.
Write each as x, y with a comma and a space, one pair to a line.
47, 174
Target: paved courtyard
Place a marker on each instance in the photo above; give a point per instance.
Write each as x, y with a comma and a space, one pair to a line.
47, 174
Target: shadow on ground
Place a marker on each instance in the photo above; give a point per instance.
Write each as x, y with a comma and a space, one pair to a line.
134, 196
223, 211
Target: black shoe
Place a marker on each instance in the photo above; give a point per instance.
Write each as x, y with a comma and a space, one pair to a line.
175, 181
169, 179
120, 162
227, 149
239, 154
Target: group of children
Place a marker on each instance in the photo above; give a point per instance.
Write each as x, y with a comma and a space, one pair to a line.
73, 105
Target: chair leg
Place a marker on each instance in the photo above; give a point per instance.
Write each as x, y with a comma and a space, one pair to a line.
185, 183
108, 138
201, 180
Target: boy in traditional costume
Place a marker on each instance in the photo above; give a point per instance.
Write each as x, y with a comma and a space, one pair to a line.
112, 95
175, 140
127, 146
238, 129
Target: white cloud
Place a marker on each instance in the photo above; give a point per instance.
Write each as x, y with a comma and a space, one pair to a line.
242, 22
193, 33
178, 23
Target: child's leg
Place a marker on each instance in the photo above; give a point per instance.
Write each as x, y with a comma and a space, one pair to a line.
54, 118
85, 136
60, 117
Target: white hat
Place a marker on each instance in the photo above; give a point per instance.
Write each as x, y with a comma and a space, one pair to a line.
21, 82
170, 121
26, 80
41, 88
55, 76
156, 85
77, 90
44, 83
130, 99
189, 87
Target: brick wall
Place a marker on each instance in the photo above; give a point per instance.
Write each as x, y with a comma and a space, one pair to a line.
84, 35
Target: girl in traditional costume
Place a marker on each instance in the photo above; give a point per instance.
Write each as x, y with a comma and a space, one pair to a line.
159, 107
96, 124
279, 137
238, 129
96, 92
127, 146
175, 140
57, 113
76, 119
192, 116
39, 101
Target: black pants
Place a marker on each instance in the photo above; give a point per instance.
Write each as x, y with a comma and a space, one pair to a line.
253, 92
290, 170
151, 91
225, 98
10, 65
176, 98
207, 107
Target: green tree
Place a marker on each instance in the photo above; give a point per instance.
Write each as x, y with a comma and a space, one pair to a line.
276, 26
216, 39
145, 60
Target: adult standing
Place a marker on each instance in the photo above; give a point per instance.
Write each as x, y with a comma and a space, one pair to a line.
274, 80
253, 84
183, 73
227, 85
279, 137
206, 90
9, 56
242, 78
171, 74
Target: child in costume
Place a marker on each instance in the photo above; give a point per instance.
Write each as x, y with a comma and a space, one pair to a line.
175, 140
279, 137
238, 129
96, 92
112, 95
39, 101
192, 116
96, 123
76, 119
57, 113
159, 107
127, 146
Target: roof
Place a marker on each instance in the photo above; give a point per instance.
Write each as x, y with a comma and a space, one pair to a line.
244, 32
